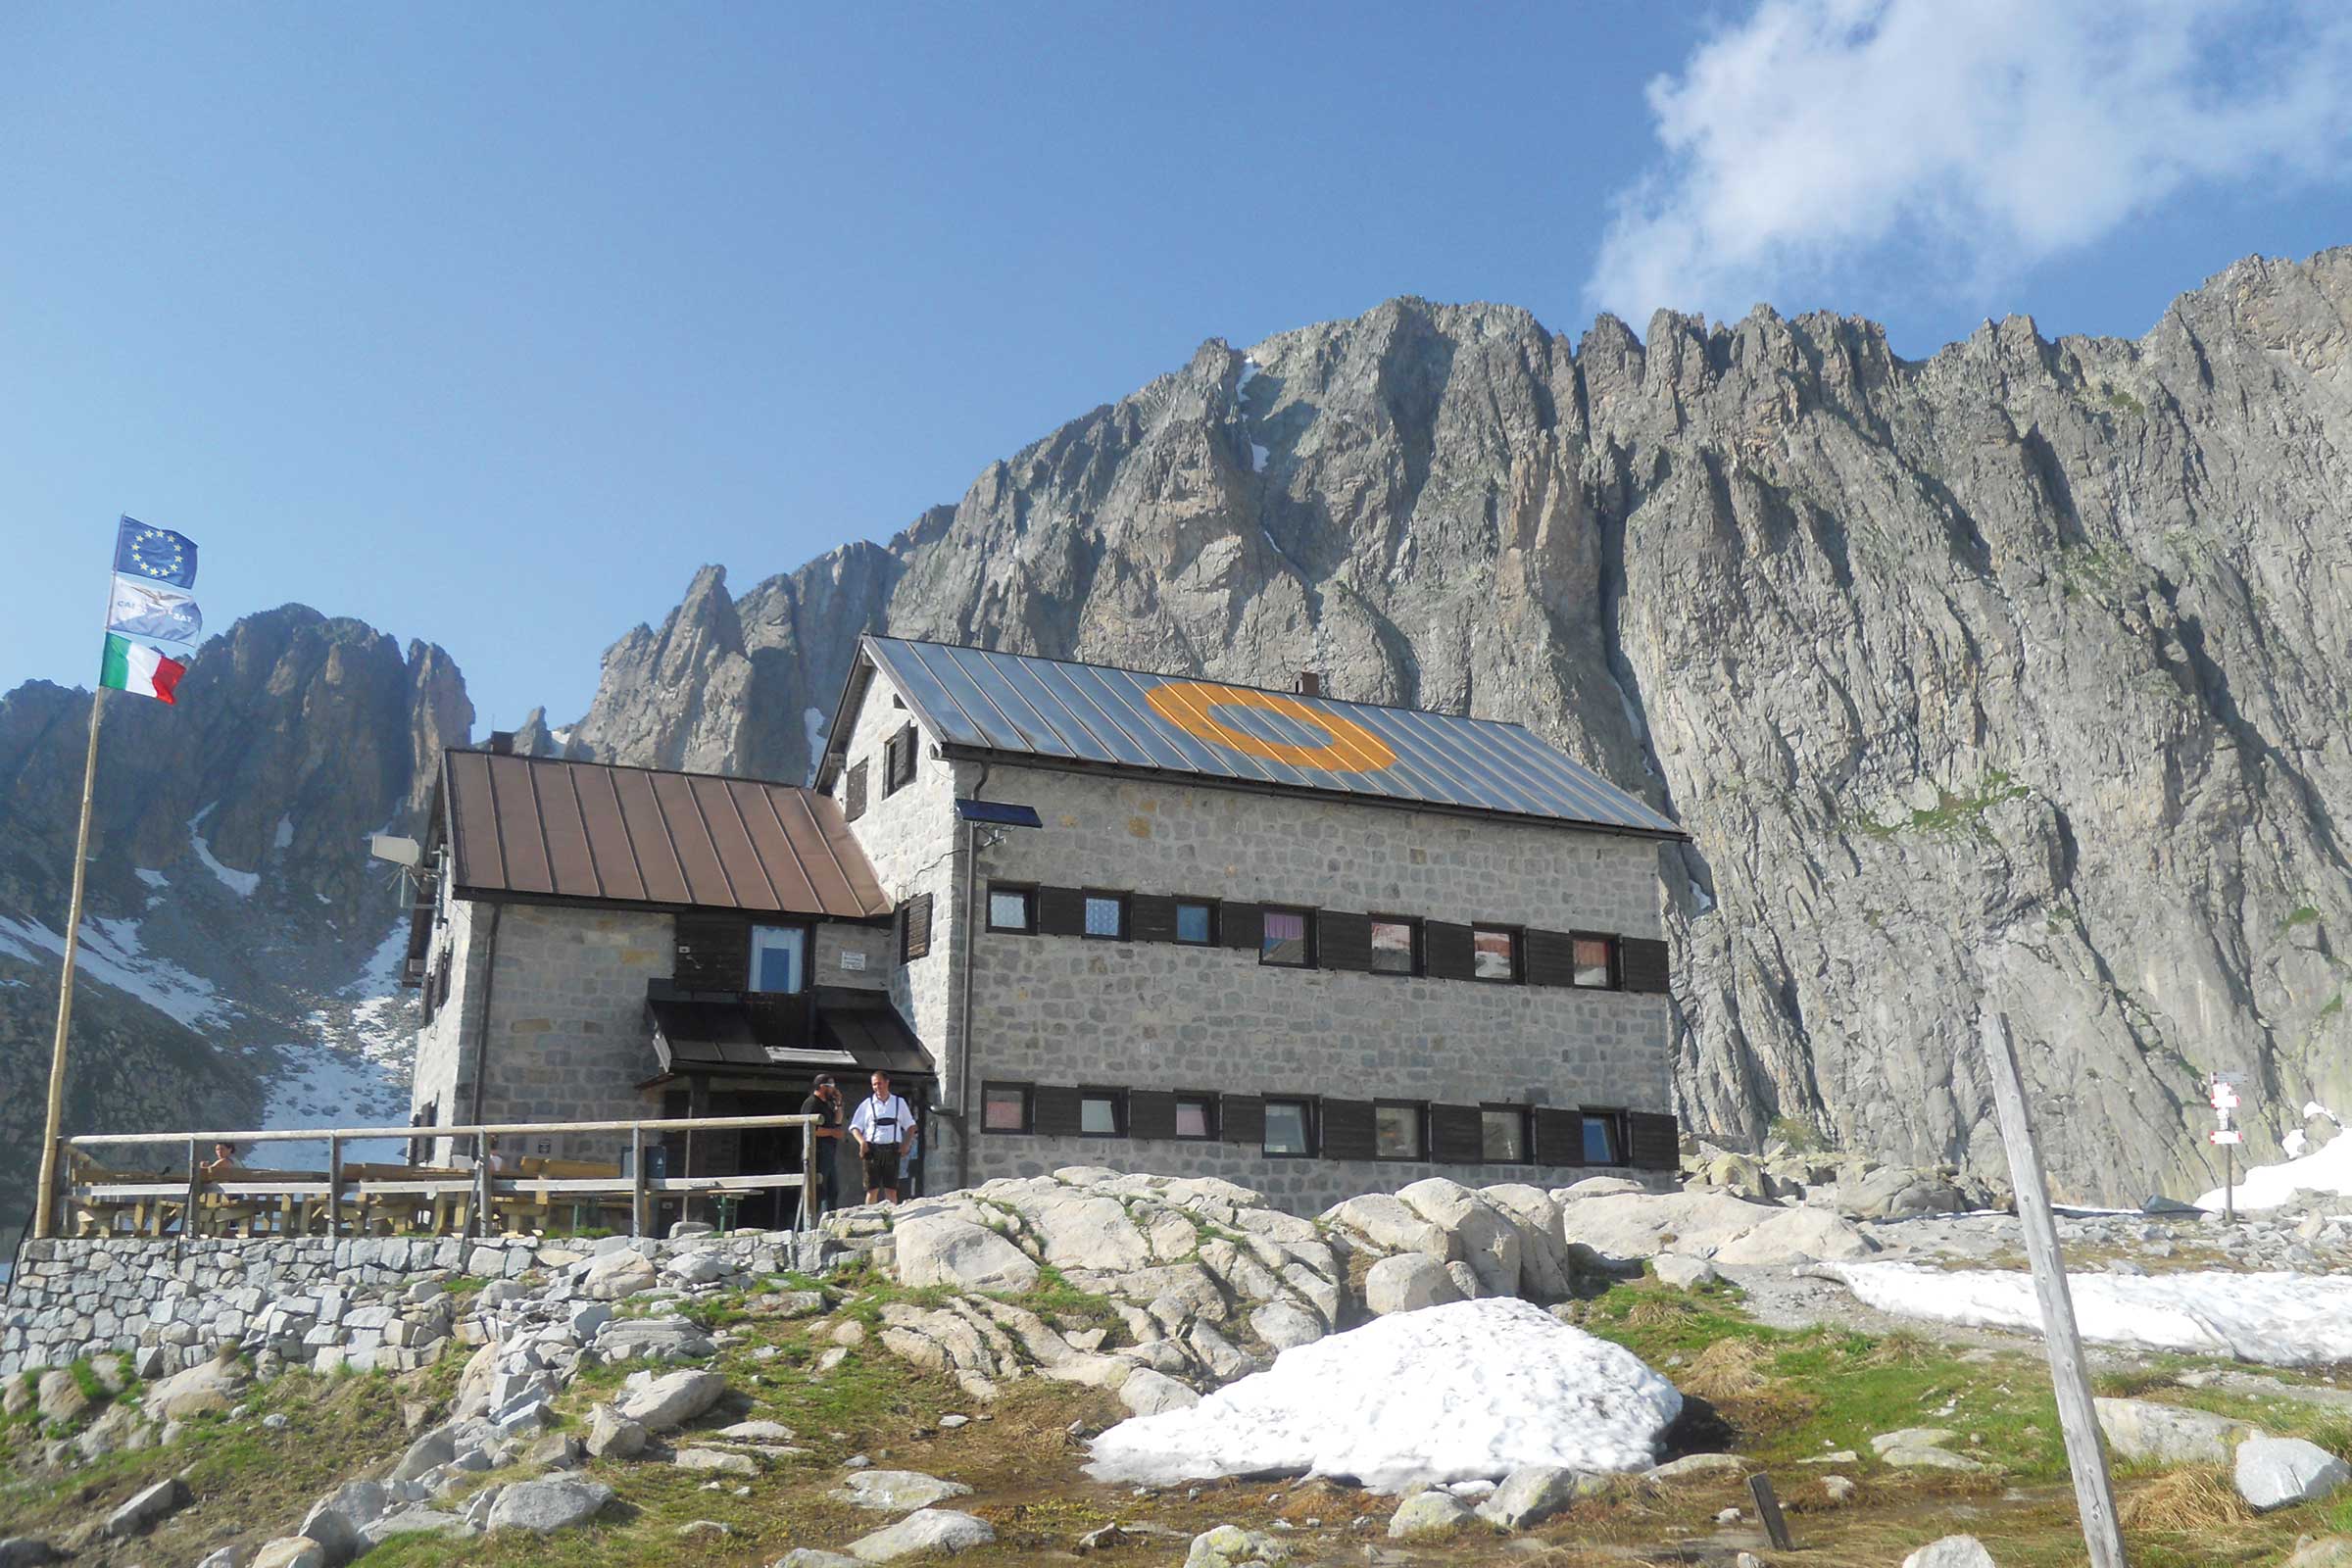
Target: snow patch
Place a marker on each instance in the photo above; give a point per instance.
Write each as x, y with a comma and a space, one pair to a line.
285, 835
2326, 1169
241, 883
111, 954
1250, 371
2279, 1319
320, 1086
154, 879
1700, 899
1258, 458
1466, 1392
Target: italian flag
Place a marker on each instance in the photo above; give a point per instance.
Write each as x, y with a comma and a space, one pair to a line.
136, 667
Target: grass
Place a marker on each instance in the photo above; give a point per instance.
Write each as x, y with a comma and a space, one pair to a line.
1952, 813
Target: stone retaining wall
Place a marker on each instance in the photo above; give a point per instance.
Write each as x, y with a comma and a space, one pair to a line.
311, 1301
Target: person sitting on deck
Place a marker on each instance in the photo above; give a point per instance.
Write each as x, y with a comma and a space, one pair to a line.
881, 1124
224, 1160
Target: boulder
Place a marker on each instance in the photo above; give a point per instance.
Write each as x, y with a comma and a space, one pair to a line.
1391, 1225
897, 1491
613, 1436
1683, 1273
1952, 1551
942, 1250
2280, 1472
59, 1396
660, 1403
416, 1522
548, 1504
810, 1557
146, 1509
655, 1339
1083, 1232
1895, 1192
1599, 1187
28, 1551
703, 1265
1532, 1493
1797, 1236
428, 1452
335, 1520
927, 1530
1408, 1282
1149, 1392
2327, 1551
1696, 1466
1633, 1225
1283, 1326
617, 1275
291, 1551
1483, 1236
718, 1461
1427, 1515
1545, 1271
2166, 1434
1231, 1547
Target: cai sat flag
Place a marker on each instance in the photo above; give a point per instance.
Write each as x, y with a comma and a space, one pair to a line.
139, 670
154, 554
143, 609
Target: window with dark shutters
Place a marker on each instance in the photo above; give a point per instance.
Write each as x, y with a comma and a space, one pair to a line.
898, 760
1343, 942
853, 792
1152, 917
1150, 1113
1244, 1118
1245, 927
1348, 1130
1456, 1134
914, 928
1654, 1141
1642, 964
713, 952
1061, 911
1550, 957
1056, 1110
1445, 949
1559, 1136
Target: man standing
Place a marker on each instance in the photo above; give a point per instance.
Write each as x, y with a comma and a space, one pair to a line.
824, 1103
881, 1124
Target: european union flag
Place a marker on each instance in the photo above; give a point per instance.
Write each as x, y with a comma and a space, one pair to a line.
155, 554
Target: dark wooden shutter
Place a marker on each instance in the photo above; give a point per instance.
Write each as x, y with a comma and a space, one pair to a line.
713, 952
1456, 1135
1559, 1136
1348, 1130
853, 792
1245, 927
1343, 942
1445, 951
1642, 964
1550, 957
1057, 1111
1150, 1113
1653, 1142
1061, 911
914, 928
1244, 1119
1152, 917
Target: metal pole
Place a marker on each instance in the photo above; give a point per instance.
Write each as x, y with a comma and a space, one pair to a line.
187, 1220
2228, 1185
637, 1180
2078, 1417
334, 1186
969, 924
46, 1201
808, 1175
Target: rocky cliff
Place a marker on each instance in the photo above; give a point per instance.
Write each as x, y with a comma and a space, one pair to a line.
2013, 678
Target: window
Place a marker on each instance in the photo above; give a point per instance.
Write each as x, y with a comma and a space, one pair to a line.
1005, 1107
914, 928
1592, 955
1013, 909
779, 958
1196, 1116
1602, 1146
1101, 1113
1493, 952
853, 792
1196, 922
898, 760
1107, 917
1503, 1134
1289, 1129
1288, 939
1395, 946
1396, 1132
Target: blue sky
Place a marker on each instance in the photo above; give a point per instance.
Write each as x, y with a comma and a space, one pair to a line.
489, 324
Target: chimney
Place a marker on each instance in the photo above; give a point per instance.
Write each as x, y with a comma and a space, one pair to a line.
1311, 683
501, 743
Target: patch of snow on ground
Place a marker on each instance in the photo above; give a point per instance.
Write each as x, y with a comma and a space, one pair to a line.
154, 879
1258, 458
812, 724
2275, 1318
1250, 370
285, 835
2326, 1169
319, 1086
241, 883
1466, 1392
110, 952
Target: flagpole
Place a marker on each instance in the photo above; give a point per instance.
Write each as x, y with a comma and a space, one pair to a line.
44, 1217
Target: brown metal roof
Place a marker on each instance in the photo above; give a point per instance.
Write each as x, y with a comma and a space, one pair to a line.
543, 827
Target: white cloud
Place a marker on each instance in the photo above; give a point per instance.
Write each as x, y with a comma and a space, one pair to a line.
1965, 139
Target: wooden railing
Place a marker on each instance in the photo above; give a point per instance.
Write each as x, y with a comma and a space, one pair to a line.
160, 1205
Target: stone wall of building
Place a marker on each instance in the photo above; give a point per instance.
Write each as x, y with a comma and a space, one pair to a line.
866, 949
441, 1088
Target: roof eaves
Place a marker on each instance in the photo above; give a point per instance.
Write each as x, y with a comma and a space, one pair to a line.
852, 697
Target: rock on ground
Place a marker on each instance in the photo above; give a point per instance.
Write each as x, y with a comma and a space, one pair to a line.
549, 1504
2278, 1472
1231, 1547
927, 1530
290, 1551
1149, 1392
1427, 1515
1952, 1551
1532, 1493
897, 1491
618, 1274
27, 1552
1681, 1272
613, 1436
146, 1509
1406, 1282
661, 1403
942, 1250
2150, 1431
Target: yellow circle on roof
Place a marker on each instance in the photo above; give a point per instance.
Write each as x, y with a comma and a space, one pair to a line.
1191, 705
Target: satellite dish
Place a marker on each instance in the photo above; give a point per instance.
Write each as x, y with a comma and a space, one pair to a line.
399, 850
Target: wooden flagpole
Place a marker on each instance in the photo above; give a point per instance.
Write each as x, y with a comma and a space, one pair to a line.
44, 1218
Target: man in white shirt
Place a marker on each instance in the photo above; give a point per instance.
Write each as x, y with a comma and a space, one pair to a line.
884, 1127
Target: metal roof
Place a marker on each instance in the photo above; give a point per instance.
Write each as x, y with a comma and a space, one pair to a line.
1097, 716
544, 827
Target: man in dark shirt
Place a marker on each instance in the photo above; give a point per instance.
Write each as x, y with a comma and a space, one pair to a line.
824, 1103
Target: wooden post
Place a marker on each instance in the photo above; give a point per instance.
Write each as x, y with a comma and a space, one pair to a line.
637, 1189
1768, 1511
808, 1175
334, 1186
2078, 1417
45, 1202
187, 1220
481, 1186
